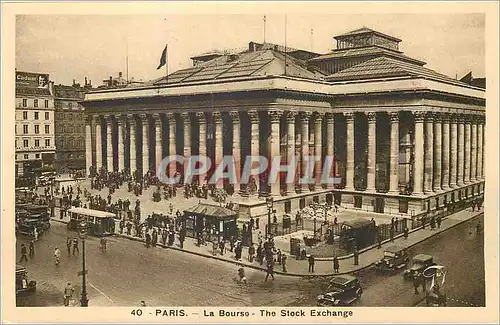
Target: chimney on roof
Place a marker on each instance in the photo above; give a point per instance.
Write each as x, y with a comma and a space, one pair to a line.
119, 74
85, 81
74, 82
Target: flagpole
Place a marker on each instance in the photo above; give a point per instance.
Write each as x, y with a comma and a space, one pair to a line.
264, 29
166, 63
126, 58
285, 44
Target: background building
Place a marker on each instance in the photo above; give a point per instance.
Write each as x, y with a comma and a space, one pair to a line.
70, 126
34, 126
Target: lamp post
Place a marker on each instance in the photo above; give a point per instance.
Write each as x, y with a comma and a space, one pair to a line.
82, 231
269, 203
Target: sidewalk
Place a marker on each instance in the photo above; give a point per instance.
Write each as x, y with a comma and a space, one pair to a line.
322, 266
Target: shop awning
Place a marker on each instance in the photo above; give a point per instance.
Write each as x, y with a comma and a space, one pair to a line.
210, 210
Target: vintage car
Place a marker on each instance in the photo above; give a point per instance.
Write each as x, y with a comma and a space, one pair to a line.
419, 263
343, 290
26, 221
23, 286
394, 259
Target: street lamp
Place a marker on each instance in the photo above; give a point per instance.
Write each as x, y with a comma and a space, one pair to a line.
269, 203
82, 232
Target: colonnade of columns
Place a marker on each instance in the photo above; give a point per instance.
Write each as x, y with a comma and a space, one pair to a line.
447, 150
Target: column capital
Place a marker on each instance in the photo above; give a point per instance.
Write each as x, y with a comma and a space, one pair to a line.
254, 116
393, 116
349, 116
330, 117
318, 117
372, 117
446, 118
305, 116
186, 117
429, 116
290, 116
96, 117
438, 117
453, 118
217, 116
201, 117
144, 118
275, 115
121, 119
108, 117
157, 117
170, 117
418, 116
88, 119
131, 117
235, 116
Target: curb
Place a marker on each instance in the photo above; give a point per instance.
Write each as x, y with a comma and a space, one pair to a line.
291, 274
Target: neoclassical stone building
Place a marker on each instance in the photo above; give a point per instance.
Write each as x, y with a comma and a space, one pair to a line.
406, 139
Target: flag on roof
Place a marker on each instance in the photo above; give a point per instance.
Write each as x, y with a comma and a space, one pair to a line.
163, 59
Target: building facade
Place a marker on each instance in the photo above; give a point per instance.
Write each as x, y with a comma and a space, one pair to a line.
34, 123
70, 126
405, 138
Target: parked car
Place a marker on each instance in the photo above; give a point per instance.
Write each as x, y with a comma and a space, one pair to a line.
394, 259
419, 263
343, 290
23, 285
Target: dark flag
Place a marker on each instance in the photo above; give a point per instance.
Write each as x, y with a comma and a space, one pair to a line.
163, 59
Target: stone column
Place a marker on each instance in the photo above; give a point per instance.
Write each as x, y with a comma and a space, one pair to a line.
460, 151
304, 121
349, 182
290, 123
133, 144
158, 140
274, 120
235, 116
121, 144
473, 150
480, 150
219, 144
109, 142
429, 152
145, 143
394, 154
187, 135
172, 150
467, 150
254, 144
437, 152
418, 164
98, 142
330, 143
445, 179
88, 144
453, 151
372, 151
202, 122
318, 146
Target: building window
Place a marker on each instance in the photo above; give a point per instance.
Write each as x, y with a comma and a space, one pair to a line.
37, 129
288, 207
70, 105
37, 156
47, 115
25, 102
37, 143
36, 116
358, 201
35, 103
46, 105
25, 115
26, 156
16, 143
466, 192
47, 142
403, 206
61, 143
25, 143
47, 129
25, 129
453, 197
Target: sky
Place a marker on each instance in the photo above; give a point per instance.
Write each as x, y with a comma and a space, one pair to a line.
71, 47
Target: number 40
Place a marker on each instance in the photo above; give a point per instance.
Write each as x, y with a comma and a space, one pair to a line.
136, 312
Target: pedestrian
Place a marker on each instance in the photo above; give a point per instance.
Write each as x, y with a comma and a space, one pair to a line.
57, 255
391, 234
23, 253
396, 222
392, 223
75, 246
68, 294
222, 245
231, 243
241, 275
278, 256
269, 269
182, 237
69, 241
356, 256
214, 248
35, 234
433, 223
148, 239
260, 254
406, 232
379, 240
423, 222
439, 220
32, 249
238, 250
283, 262
416, 284
251, 253
311, 263
336, 264
103, 244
